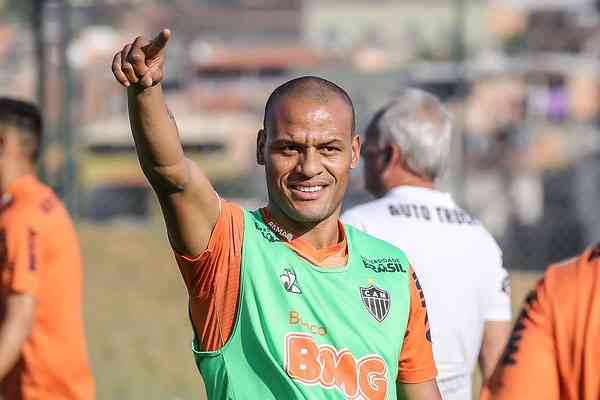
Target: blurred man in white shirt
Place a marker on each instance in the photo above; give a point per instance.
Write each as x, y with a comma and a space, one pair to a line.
458, 262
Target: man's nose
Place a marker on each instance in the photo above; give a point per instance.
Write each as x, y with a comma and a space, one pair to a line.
310, 163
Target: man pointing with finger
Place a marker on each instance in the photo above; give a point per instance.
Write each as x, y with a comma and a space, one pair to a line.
284, 301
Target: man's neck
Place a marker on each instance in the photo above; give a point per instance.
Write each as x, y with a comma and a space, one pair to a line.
410, 180
319, 235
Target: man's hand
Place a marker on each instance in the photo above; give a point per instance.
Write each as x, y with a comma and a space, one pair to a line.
141, 62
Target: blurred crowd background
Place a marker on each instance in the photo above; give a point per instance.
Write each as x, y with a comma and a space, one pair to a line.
520, 76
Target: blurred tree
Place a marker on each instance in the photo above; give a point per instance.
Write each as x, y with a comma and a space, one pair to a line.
19, 9
515, 43
31, 12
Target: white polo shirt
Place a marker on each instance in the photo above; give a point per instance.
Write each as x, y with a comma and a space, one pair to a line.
459, 265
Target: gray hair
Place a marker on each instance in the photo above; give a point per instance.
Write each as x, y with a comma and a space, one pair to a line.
421, 126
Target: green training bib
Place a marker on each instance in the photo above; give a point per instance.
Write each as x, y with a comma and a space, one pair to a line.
305, 332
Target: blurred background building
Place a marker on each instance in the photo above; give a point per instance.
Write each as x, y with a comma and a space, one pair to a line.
521, 77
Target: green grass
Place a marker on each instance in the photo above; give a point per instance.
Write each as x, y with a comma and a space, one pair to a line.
139, 336
138, 332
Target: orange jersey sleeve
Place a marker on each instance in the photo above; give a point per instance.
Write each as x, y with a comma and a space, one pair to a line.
416, 362
213, 279
553, 352
527, 369
21, 255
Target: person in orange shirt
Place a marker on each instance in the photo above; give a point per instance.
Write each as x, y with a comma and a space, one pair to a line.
554, 350
42, 346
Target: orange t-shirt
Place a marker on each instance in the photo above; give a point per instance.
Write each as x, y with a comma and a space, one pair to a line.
39, 255
213, 282
554, 350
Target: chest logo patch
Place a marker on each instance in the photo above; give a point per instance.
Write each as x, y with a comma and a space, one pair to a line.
376, 301
324, 365
390, 264
288, 279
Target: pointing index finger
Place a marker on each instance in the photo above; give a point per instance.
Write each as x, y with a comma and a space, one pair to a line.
158, 43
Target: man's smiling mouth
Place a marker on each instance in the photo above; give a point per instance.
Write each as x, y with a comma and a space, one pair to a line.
308, 189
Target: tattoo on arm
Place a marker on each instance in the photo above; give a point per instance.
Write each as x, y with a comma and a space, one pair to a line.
170, 113
172, 118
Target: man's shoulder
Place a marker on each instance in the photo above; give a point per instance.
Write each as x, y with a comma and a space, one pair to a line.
372, 244
248, 218
38, 208
571, 272
22, 210
571, 284
18, 221
361, 214
372, 206
489, 242
481, 239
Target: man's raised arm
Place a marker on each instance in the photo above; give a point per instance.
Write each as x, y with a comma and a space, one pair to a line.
189, 203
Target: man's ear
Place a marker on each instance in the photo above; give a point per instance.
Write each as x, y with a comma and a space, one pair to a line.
260, 147
356, 143
392, 158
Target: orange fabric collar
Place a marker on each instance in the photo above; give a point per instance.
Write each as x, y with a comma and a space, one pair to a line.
305, 249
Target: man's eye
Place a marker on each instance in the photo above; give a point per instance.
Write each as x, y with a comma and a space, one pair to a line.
329, 149
290, 148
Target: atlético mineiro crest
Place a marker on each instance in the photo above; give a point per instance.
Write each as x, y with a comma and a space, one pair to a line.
376, 301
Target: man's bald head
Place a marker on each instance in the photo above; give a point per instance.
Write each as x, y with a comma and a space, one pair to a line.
307, 87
